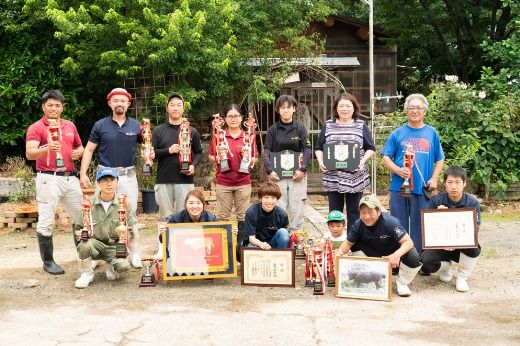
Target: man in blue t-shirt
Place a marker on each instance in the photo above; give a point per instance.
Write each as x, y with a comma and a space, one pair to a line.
424, 142
379, 234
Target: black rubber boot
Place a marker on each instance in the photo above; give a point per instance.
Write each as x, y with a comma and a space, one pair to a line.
240, 238
46, 250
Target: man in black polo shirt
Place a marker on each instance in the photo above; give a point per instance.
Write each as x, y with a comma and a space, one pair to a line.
440, 260
116, 138
379, 234
171, 186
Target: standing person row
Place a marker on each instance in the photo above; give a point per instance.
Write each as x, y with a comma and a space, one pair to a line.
54, 143
116, 137
233, 186
424, 143
289, 134
345, 187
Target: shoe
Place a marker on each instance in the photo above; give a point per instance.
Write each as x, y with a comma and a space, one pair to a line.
405, 277
466, 266
445, 274
87, 274
110, 272
135, 257
95, 264
46, 252
159, 254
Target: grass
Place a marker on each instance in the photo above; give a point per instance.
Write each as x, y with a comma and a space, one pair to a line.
500, 218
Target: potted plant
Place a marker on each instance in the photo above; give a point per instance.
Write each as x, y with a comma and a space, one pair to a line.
146, 187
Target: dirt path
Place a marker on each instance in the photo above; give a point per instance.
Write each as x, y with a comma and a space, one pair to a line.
221, 311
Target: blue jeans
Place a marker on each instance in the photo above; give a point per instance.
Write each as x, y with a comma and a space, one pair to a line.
408, 211
280, 240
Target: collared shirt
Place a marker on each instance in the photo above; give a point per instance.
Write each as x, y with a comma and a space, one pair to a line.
264, 225
233, 177
168, 168
467, 201
292, 137
117, 145
383, 237
105, 223
70, 139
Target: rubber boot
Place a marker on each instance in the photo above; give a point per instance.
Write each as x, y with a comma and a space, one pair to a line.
406, 276
110, 272
135, 256
159, 254
466, 266
87, 274
240, 238
445, 274
46, 251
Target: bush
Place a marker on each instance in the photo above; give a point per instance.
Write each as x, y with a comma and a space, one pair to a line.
15, 167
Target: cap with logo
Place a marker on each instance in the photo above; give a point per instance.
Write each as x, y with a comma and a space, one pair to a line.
335, 215
371, 201
106, 171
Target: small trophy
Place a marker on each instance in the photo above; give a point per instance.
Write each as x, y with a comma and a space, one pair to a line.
247, 148
86, 212
146, 148
185, 144
55, 136
219, 143
122, 229
148, 279
297, 243
409, 157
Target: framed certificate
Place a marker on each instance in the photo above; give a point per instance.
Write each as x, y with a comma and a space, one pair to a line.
363, 278
199, 251
449, 228
341, 156
273, 267
285, 163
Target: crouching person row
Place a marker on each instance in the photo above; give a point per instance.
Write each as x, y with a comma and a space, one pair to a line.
378, 234
101, 245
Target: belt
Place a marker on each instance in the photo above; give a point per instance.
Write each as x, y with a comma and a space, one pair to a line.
61, 174
122, 170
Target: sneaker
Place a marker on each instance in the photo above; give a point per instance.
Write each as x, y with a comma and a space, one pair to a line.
110, 272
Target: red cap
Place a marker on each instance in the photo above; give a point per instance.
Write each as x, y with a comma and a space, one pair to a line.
119, 91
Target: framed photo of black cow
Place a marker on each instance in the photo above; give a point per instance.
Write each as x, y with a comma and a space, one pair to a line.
363, 278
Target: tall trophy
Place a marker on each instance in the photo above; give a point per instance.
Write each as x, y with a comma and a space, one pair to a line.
219, 143
317, 268
409, 157
247, 148
86, 213
185, 144
147, 148
55, 136
122, 229
148, 279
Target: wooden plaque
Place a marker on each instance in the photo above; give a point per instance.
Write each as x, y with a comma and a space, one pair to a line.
343, 156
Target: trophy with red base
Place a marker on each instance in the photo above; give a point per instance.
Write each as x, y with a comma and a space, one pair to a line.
185, 144
122, 229
318, 269
329, 265
146, 148
219, 143
409, 157
86, 212
247, 148
55, 136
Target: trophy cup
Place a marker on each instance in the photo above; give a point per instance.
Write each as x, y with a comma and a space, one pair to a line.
219, 143
122, 229
148, 279
55, 136
297, 243
318, 270
185, 143
86, 211
247, 148
146, 148
409, 157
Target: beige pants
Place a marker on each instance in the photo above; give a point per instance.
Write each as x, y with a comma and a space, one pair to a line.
293, 201
240, 196
168, 195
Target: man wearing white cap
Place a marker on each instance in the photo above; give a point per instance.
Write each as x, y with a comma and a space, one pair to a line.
117, 136
379, 234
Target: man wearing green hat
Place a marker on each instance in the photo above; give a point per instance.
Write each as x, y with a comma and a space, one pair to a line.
379, 234
336, 232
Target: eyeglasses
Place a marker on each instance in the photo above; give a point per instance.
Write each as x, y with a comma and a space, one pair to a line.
415, 109
234, 116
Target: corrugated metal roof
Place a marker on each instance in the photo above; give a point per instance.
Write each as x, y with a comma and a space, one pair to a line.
319, 61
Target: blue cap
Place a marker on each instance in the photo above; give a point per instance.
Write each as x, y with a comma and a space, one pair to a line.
103, 172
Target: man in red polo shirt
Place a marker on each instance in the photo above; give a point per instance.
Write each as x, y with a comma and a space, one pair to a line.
54, 143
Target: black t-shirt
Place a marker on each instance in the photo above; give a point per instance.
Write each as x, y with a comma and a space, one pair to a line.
264, 225
383, 237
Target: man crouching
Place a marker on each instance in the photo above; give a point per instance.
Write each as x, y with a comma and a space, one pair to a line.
102, 244
378, 234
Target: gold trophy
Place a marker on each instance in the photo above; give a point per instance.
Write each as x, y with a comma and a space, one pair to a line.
317, 269
185, 144
86, 211
148, 279
219, 143
122, 229
247, 148
409, 157
147, 148
55, 136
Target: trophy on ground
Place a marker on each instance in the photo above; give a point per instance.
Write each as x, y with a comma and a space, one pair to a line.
185, 144
219, 143
319, 266
148, 278
409, 157
86, 212
147, 148
297, 242
122, 229
247, 148
55, 136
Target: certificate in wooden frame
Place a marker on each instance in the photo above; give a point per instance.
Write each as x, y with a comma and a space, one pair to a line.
363, 278
449, 228
199, 251
272, 268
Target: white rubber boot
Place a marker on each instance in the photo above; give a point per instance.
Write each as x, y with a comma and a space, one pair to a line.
135, 256
445, 274
159, 254
95, 263
466, 266
87, 274
110, 272
406, 276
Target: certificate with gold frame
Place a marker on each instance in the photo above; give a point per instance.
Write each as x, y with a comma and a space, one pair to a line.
199, 251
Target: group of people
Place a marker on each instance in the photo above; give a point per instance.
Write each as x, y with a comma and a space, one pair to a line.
280, 211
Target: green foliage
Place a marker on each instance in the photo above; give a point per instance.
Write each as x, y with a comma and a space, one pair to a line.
15, 167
